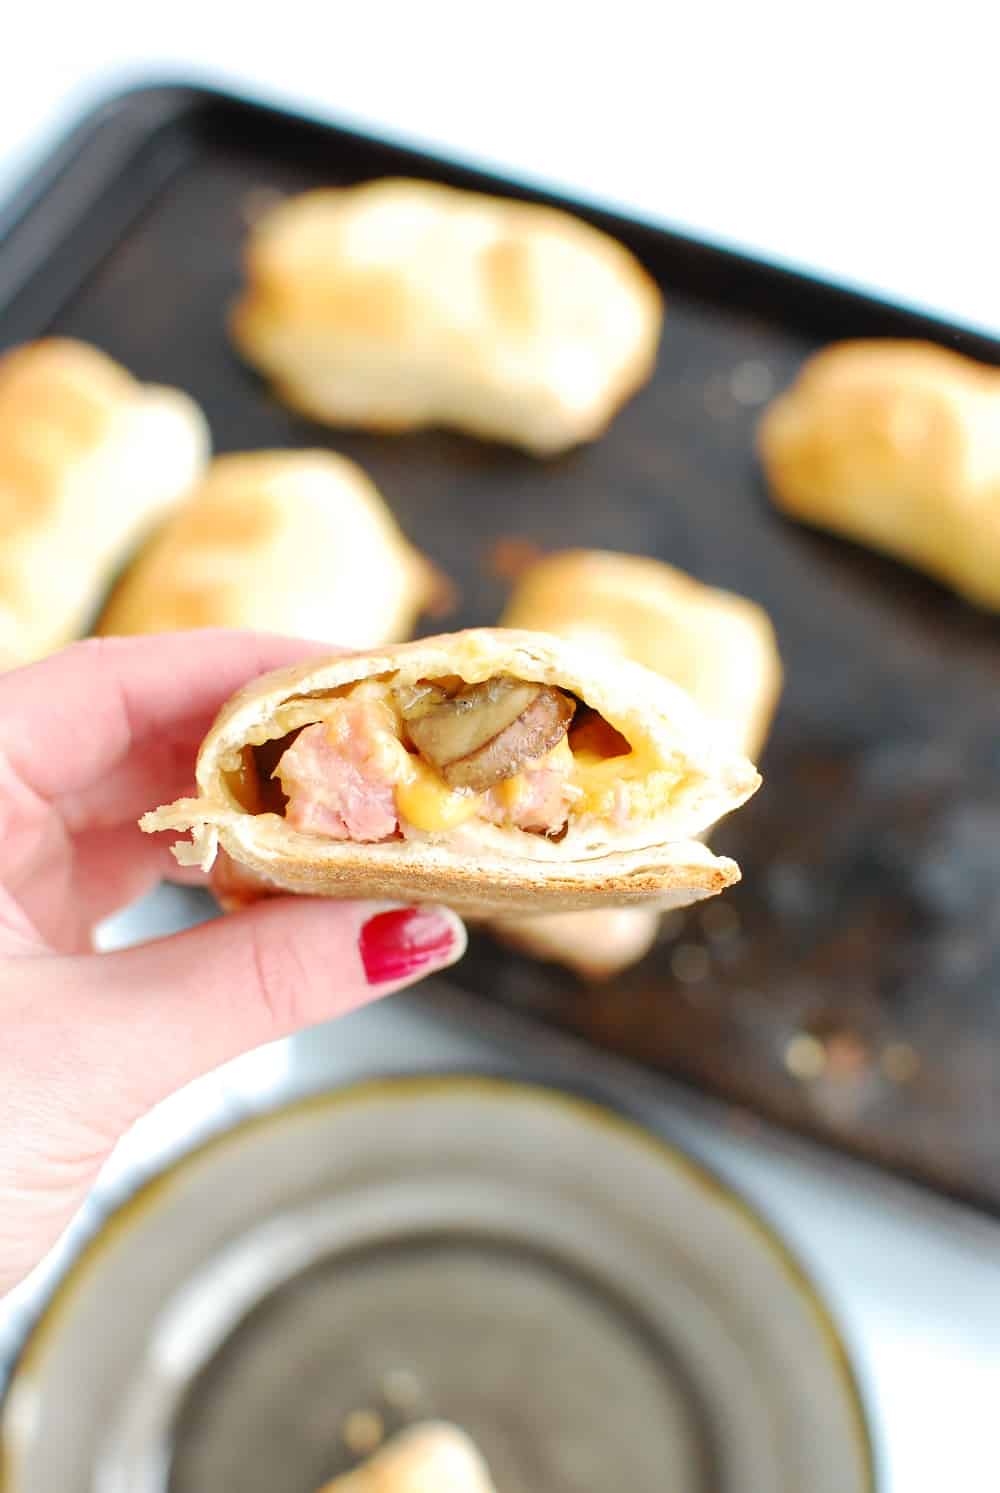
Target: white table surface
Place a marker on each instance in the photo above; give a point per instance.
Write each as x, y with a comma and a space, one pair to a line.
860, 143
859, 140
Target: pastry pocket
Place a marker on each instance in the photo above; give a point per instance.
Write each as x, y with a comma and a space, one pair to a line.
296, 542
717, 646
432, 1457
720, 648
90, 460
897, 445
597, 944
399, 303
495, 770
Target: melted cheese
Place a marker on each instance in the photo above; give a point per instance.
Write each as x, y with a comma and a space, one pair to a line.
634, 786
422, 796
424, 799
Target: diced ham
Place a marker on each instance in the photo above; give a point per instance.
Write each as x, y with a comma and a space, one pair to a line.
334, 774
538, 800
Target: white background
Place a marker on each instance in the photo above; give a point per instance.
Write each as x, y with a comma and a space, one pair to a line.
857, 140
860, 139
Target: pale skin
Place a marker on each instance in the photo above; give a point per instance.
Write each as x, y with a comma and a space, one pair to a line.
89, 1042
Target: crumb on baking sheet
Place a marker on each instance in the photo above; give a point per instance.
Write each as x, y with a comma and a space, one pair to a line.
805, 1056
719, 402
362, 1432
508, 558
689, 963
720, 922
846, 1056
751, 382
899, 1062
672, 924
401, 1390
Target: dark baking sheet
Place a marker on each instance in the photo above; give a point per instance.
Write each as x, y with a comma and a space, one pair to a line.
850, 987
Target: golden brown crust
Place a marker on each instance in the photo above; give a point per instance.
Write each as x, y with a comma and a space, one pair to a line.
688, 878
718, 646
399, 303
490, 869
491, 887
895, 444
58, 402
89, 461
297, 542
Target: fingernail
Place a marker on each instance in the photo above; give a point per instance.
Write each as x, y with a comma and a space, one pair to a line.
409, 941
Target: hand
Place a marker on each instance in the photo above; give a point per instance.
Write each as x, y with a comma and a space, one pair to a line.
89, 739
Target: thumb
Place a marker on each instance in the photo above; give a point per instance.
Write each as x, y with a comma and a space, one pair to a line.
158, 1015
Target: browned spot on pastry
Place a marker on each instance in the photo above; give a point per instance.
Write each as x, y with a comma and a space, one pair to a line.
190, 607
234, 523
80, 419
56, 407
362, 303
509, 286
30, 476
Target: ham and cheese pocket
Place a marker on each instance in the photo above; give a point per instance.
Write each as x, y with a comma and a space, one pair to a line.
433, 1457
398, 303
90, 460
298, 542
493, 770
897, 445
717, 646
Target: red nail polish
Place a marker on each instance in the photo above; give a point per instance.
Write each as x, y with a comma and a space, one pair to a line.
402, 942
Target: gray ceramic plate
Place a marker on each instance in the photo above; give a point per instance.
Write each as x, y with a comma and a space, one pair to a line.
597, 1312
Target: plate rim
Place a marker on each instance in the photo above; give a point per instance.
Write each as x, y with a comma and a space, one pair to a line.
120, 1213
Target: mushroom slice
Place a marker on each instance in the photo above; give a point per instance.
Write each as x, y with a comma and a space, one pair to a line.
486, 733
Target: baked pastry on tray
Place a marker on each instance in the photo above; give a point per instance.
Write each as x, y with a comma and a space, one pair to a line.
298, 542
717, 646
90, 460
433, 1457
402, 303
895, 444
497, 771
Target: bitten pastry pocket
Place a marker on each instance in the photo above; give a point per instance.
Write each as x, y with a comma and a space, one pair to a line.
492, 770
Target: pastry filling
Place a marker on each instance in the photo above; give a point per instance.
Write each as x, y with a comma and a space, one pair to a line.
380, 761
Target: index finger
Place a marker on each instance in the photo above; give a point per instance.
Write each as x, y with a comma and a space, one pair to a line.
69, 721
